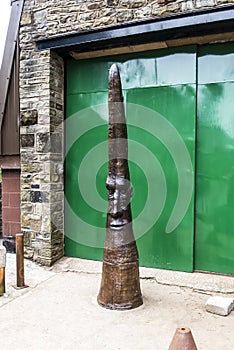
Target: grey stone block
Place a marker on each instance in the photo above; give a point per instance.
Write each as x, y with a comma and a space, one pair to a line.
220, 305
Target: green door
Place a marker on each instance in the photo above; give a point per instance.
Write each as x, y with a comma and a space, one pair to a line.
215, 160
160, 96
165, 92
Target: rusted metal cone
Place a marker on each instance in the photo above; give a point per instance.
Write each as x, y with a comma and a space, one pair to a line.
183, 340
120, 286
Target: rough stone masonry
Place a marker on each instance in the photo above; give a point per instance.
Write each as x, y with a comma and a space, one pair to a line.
42, 104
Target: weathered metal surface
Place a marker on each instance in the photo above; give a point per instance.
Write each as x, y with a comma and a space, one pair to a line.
182, 340
2, 281
120, 286
20, 261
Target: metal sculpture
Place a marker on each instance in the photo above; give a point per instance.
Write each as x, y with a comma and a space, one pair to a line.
183, 339
120, 285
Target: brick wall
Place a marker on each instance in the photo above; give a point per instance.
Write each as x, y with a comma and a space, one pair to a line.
10, 202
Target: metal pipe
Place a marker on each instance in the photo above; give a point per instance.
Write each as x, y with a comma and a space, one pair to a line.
2, 268
20, 261
2, 281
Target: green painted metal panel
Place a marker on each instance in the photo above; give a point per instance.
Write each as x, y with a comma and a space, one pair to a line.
215, 161
152, 68
157, 247
160, 95
216, 63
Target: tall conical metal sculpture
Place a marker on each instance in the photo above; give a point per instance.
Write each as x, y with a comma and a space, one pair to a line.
120, 286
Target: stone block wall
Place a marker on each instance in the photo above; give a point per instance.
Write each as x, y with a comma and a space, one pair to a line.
51, 17
41, 145
41, 156
42, 105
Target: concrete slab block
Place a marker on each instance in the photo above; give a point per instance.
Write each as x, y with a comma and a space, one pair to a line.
220, 305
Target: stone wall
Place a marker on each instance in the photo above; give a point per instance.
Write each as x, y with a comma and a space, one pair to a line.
41, 103
51, 17
41, 135
41, 91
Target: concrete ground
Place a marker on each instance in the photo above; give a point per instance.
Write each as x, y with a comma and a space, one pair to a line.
59, 310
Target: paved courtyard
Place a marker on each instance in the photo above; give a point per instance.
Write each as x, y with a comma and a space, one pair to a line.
59, 310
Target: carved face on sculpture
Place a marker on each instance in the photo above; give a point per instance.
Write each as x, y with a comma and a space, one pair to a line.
119, 197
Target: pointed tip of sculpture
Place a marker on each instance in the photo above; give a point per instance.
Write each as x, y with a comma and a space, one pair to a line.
114, 68
114, 71
114, 85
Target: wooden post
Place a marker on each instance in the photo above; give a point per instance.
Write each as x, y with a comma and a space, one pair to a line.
20, 261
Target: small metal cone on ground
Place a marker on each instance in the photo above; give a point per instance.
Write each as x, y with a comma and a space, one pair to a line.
183, 340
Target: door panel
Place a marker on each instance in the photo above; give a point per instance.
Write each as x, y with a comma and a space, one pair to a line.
172, 250
161, 94
160, 98
214, 249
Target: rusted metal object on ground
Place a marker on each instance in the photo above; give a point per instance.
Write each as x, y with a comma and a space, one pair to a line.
120, 286
20, 261
2, 268
183, 340
2, 281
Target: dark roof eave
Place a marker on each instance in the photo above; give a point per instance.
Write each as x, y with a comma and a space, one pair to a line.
9, 52
211, 21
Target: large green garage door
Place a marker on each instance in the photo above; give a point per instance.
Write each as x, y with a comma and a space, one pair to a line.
171, 96
160, 95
